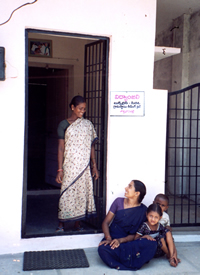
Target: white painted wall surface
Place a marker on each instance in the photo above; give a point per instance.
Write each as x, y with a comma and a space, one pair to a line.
136, 146
139, 153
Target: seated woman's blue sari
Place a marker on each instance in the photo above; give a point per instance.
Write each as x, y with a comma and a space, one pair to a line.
131, 255
127, 221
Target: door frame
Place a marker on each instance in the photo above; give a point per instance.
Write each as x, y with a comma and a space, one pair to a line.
72, 35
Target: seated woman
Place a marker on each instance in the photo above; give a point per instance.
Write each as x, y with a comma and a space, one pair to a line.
118, 248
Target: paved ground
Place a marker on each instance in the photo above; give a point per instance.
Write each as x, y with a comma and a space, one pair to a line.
188, 252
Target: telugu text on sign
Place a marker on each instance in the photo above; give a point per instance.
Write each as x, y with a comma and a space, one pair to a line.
127, 103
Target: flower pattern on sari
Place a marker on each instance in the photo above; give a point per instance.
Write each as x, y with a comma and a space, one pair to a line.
77, 199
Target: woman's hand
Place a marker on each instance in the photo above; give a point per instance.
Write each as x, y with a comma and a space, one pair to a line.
105, 227
115, 244
61, 147
59, 177
95, 172
105, 242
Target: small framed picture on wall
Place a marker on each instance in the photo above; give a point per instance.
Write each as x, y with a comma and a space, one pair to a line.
40, 48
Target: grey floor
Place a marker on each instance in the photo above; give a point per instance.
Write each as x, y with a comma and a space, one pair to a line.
189, 253
42, 217
42, 214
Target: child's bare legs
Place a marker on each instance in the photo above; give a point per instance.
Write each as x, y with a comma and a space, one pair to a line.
164, 247
172, 250
175, 254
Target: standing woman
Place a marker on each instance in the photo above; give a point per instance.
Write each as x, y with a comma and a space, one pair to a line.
75, 150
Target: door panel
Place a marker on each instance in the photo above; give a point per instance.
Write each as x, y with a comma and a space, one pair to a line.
95, 92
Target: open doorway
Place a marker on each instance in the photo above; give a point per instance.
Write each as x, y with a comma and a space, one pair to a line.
51, 83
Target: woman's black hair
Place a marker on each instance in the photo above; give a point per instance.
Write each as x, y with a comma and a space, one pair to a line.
77, 100
155, 208
140, 187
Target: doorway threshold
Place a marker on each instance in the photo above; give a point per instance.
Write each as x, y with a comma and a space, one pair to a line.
44, 192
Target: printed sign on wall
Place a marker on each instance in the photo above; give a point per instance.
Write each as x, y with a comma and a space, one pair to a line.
127, 103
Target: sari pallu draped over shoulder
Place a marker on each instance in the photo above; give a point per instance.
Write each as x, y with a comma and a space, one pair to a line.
127, 221
76, 197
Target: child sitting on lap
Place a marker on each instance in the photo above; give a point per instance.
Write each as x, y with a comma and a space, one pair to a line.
154, 231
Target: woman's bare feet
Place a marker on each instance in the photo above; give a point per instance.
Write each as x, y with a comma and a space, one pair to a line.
59, 229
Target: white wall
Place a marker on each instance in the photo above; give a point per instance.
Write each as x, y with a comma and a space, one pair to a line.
135, 145
139, 152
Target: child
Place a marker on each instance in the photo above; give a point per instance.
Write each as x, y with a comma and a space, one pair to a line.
163, 201
153, 230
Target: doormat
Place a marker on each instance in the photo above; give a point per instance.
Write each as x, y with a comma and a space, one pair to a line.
55, 259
